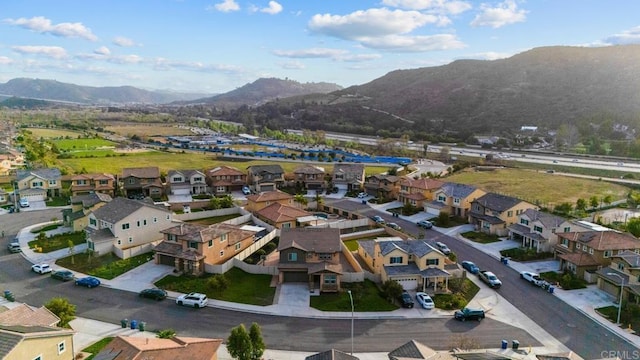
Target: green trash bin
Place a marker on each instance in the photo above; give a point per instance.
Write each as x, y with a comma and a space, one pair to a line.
124, 323
142, 325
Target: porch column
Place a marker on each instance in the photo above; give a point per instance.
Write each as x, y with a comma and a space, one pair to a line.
435, 286
176, 264
446, 283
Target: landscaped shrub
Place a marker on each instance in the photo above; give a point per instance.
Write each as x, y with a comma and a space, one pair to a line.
567, 280
218, 283
525, 254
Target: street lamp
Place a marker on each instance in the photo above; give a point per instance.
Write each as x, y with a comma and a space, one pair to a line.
351, 298
621, 291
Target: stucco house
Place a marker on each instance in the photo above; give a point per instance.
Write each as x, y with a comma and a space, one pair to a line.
186, 182
265, 177
418, 192
93, 183
223, 180
493, 213
257, 202
454, 199
382, 186
348, 177
281, 216
311, 255
310, 177
76, 217
537, 230
143, 348
414, 264
145, 182
622, 274
190, 247
124, 223
39, 184
21, 342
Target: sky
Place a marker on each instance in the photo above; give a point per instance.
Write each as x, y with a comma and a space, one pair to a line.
216, 46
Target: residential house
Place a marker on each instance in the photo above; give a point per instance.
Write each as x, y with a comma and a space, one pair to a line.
493, 213
76, 217
186, 182
454, 199
190, 247
142, 182
223, 180
93, 183
26, 315
123, 223
537, 230
20, 342
309, 177
39, 184
414, 264
313, 256
580, 252
623, 273
348, 177
332, 354
281, 216
265, 177
143, 348
419, 351
257, 202
418, 192
10, 162
382, 186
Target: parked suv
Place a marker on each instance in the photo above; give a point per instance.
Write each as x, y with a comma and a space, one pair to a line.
406, 300
469, 314
196, 300
14, 247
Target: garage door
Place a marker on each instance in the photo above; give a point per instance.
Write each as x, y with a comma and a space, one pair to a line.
432, 210
611, 288
407, 283
181, 192
291, 276
267, 187
32, 197
166, 260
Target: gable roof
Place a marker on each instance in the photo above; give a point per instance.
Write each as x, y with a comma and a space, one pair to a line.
272, 169
309, 169
412, 350
138, 348
93, 176
549, 221
319, 240
419, 248
603, 240
630, 257
456, 190
332, 354
149, 172
47, 174
348, 168
497, 202
186, 173
278, 213
224, 170
422, 183
88, 200
384, 177
204, 233
269, 196
120, 207
12, 335
24, 314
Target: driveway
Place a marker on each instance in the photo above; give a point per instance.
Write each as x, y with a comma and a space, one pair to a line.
293, 294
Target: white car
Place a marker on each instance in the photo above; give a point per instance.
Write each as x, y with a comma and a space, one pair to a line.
362, 195
24, 202
424, 300
443, 248
196, 300
41, 268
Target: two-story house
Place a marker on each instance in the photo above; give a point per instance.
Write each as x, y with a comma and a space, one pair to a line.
223, 180
142, 182
190, 247
591, 250
493, 213
93, 183
81, 205
265, 177
39, 184
537, 230
177, 347
623, 274
257, 202
382, 186
281, 216
414, 264
10, 161
311, 255
309, 177
124, 223
418, 192
454, 199
36, 342
348, 177
186, 182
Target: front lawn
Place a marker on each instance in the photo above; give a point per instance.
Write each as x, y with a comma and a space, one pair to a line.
448, 222
214, 219
243, 287
629, 316
525, 254
366, 297
107, 266
97, 347
46, 244
566, 281
480, 237
462, 291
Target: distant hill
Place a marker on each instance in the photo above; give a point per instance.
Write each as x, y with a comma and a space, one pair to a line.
264, 90
52, 90
545, 86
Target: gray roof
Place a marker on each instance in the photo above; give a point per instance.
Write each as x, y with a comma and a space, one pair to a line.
88, 200
412, 350
525, 231
549, 221
8, 341
456, 190
273, 169
415, 247
497, 202
630, 258
47, 174
185, 173
119, 208
12, 335
348, 168
318, 240
413, 269
367, 246
332, 354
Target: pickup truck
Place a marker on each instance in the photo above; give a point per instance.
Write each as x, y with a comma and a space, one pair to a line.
533, 278
490, 279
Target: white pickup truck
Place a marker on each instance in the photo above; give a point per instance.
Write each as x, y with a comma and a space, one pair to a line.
533, 278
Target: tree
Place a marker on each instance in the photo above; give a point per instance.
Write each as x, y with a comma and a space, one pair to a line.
166, 334
63, 309
257, 343
633, 226
607, 200
239, 343
300, 199
391, 289
594, 202
564, 208
581, 204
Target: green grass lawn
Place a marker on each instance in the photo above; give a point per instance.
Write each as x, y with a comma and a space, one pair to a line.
107, 266
58, 241
366, 297
352, 245
97, 347
480, 237
214, 220
82, 143
627, 318
244, 288
463, 291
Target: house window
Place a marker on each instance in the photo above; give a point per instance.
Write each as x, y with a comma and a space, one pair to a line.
524, 221
155, 219
238, 246
220, 189
591, 251
620, 266
92, 221
607, 253
584, 247
442, 198
138, 223
221, 253
144, 222
456, 201
125, 226
223, 237
567, 229
537, 228
325, 256
119, 242
395, 260
193, 245
53, 182
61, 348
510, 213
168, 217
565, 242
286, 225
292, 257
433, 262
210, 243
103, 182
130, 239
36, 184
330, 279
131, 181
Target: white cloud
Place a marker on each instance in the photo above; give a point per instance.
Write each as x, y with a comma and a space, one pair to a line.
123, 41
490, 55
5, 60
55, 52
226, 6
43, 25
272, 9
102, 50
453, 7
125, 59
503, 14
631, 36
293, 65
310, 53
162, 64
414, 43
370, 23
359, 57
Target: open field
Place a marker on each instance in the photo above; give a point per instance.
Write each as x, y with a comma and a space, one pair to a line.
53, 133
148, 130
82, 144
532, 186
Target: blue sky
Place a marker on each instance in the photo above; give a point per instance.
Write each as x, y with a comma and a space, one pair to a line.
219, 45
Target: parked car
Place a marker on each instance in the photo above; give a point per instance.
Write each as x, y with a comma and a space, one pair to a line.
378, 220
246, 190
469, 314
406, 300
443, 248
424, 300
531, 277
490, 279
88, 281
394, 226
362, 195
470, 267
24, 202
64, 275
14, 247
425, 224
153, 293
41, 268
196, 300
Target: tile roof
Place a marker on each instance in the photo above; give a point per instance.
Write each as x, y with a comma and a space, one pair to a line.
419, 248
456, 190
319, 240
580, 259
348, 168
24, 314
603, 240
309, 169
186, 173
204, 233
422, 183
47, 174
498, 202
224, 170
413, 269
12, 335
278, 213
93, 176
549, 221
630, 257
269, 196
139, 348
120, 207
150, 172
384, 177
332, 354
272, 169
88, 200
412, 350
